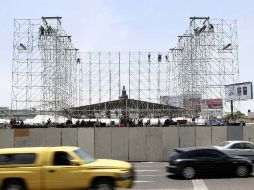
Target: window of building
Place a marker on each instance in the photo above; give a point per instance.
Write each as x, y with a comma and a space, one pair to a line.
245, 91
239, 91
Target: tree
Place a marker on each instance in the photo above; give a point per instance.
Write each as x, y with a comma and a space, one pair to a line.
236, 115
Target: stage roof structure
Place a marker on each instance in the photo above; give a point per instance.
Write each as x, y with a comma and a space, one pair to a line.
125, 107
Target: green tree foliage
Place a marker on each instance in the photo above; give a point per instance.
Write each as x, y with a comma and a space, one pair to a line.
236, 115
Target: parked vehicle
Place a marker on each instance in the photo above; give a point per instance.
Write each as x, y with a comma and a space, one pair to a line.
240, 148
235, 123
191, 162
67, 168
215, 122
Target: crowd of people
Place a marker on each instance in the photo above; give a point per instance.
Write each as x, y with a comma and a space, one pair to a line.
123, 122
159, 57
14, 122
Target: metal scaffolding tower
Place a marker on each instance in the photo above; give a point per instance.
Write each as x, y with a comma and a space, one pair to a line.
204, 60
50, 74
45, 66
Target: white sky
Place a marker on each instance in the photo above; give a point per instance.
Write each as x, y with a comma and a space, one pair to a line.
126, 25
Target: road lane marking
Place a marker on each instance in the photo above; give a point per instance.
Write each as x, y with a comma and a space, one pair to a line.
144, 181
162, 189
149, 166
199, 184
149, 175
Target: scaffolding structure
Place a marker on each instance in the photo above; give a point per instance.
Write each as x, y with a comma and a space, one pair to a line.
204, 60
144, 75
50, 75
45, 66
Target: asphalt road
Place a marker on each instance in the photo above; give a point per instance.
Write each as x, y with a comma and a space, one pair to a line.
152, 175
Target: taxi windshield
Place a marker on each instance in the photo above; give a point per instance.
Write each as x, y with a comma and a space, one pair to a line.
84, 156
223, 144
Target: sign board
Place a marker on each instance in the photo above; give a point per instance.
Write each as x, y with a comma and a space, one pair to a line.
164, 100
192, 103
176, 101
212, 103
206, 113
4, 108
239, 91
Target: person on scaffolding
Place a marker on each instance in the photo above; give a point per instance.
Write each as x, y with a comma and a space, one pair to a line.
49, 30
166, 57
42, 31
159, 57
211, 27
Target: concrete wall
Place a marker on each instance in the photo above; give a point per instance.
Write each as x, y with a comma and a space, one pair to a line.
154, 144
235, 133
70, 137
248, 133
53, 137
137, 143
130, 144
6, 138
37, 137
219, 134
170, 140
203, 136
186, 137
102, 143
86, 140
120, 145
21, 137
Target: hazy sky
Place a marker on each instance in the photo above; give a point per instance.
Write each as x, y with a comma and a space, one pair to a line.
126, 25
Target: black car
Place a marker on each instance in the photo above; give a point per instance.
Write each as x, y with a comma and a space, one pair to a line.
190, 162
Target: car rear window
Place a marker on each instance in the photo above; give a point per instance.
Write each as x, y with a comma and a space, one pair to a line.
176, 154
22, 158
248, 146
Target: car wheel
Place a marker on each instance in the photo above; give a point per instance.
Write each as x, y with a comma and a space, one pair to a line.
189, 172
242, 171
103, 184
14, 185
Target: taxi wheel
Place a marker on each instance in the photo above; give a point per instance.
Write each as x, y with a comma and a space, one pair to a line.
104, 184
14, 185
242, 171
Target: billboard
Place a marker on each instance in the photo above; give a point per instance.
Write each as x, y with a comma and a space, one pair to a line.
192, 104
176, 101
239, 91
212, 103
211, 113
164, 100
